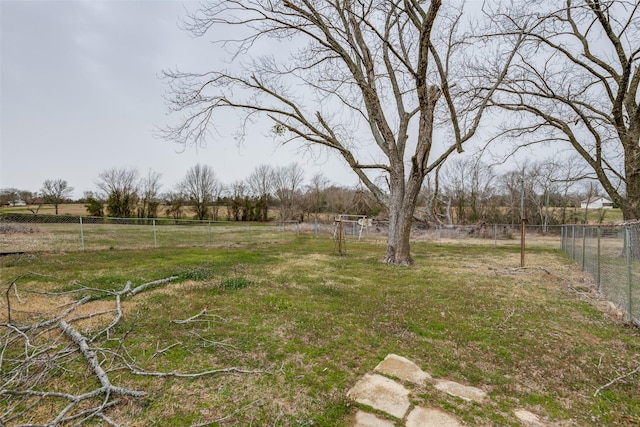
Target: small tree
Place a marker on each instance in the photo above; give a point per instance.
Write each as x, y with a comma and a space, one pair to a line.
261, 184
287, 184
175, 202
93, 204
149, 195
8, 196
200, 187
120, 190
55, 192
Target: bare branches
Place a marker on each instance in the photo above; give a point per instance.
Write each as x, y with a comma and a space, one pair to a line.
354, 77
232, 370
576, 78
38, 360
615, 380
203, 316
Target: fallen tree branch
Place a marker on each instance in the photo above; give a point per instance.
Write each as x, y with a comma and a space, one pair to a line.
93, 363
32, 354
232, 370
615, 380
197, 317
143, 287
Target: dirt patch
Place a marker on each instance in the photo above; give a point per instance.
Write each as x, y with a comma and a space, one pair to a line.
27, 307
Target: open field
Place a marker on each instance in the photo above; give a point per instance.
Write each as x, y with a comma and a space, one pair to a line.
63, 209
594, 216
301, 324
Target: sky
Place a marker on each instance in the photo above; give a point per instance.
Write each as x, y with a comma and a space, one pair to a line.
80, 93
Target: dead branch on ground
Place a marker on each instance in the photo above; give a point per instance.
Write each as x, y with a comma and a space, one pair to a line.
615, 380
36, 352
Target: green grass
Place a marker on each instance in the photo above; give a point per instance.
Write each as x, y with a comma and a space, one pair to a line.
317, 322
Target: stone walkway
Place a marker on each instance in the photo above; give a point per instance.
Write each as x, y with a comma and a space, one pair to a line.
382, 393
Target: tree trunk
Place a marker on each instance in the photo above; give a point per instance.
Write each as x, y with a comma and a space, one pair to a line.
402, 204
398, 246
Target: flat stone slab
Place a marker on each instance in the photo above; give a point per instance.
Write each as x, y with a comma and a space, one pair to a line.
430, 417
381, 393
364, 419
403, 368
467, 393
529, 419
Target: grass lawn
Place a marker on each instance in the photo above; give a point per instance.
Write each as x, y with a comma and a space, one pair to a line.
309, 323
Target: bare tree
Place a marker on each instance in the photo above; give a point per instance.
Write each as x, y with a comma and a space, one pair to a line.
468, 183
287, 185
238, 201
150, 195
315, 191
8, 196
120, 189
174, 201
200, 186
55, 192
375, 71
575, 82
261, 184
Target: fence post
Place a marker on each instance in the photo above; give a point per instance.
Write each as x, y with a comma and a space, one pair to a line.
81, 234
598, 274
573, 242
210, 233
584, 245
495, 235
155, 238
627, 243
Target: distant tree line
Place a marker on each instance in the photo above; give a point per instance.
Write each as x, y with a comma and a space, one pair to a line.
464, 190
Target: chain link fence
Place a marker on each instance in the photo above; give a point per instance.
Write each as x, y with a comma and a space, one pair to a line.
611, 254
32, 233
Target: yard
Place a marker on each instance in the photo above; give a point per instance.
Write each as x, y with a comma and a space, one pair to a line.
276, 332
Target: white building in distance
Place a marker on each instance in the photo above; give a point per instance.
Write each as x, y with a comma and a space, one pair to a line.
596, 202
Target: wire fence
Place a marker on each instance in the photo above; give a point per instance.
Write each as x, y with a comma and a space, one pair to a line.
611, 254
33, 233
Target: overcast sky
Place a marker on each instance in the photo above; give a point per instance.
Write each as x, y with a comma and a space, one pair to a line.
80, 93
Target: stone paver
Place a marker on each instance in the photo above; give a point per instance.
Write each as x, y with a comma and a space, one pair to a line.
381, 393
364, 419
391, 397
529, 419
430, 417
462, 391
403, 368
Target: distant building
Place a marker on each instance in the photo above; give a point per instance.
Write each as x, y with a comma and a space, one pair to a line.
18, 203
596, 202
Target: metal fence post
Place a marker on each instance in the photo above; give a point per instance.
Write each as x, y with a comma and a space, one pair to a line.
573, 242
495, 235
584, 245
155, 238
598, 274
210, 241
81, 234
627, 243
